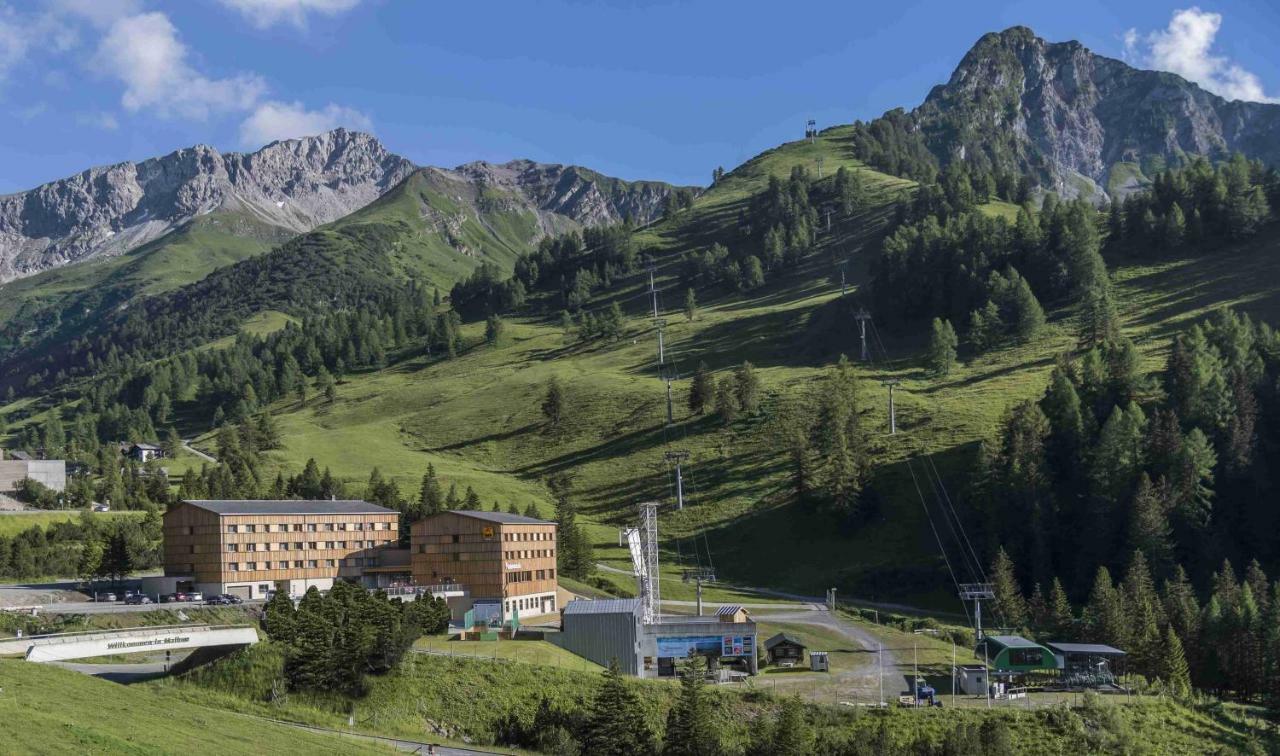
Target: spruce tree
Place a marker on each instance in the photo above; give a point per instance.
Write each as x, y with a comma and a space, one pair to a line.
701, 390
691, 727
1028, 315
941, 354
279, 619
615, 723
726, 401
1149, 531
690, 304
553, 403
430, 495
1011, 608
746, 388
1173, 665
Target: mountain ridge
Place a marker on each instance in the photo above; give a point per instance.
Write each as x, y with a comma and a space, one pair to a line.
292, 186
1019, 103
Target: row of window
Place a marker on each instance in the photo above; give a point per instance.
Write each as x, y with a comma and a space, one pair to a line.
537, 535
309, 527
529, 554
530, 603
305, 546
298, 564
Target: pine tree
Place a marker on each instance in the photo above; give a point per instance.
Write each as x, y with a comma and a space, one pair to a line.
430, 495
1173, 666
1010, 607
746, 388
789, 734
691, 727
279, 618
453, 501
531, 510
553, 402
985, 327
726, 401
471, 502
702, 390
493, 327
1028, 315
615, 723
1149, 531
1061, 618
1104, 618
941, 355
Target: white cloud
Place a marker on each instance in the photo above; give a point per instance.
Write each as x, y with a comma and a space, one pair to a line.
99, 13
267, 13
273, 120
146, 55
13, 40
1185, 47
101, 120
32, 111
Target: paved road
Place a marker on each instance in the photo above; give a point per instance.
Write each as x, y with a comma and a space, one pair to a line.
866, 676
186, 444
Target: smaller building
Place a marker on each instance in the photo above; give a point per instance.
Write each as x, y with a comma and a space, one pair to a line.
19, 466
603, 631
818, 661
784, 650
1087, 665
144, 452
1013, 653
972, 679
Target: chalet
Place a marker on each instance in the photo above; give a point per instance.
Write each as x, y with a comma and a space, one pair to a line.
144, 452
784, 650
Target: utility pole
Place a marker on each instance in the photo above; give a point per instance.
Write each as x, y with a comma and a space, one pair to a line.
698, 576
828, 209
811, 130
678, 457
671, 418
880, 660
842, 282
893, 419
862, 317
653, 291
662, 354
819, 166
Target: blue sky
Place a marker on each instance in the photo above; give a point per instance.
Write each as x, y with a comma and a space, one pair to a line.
663, 90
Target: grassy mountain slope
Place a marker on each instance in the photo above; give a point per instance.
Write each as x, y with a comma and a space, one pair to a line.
47, 710
477, 418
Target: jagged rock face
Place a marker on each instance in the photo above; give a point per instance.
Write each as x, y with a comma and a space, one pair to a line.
296, 184
582, 195
1068, 115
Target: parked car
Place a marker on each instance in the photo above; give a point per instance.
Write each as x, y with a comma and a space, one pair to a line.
177, 596
195, 596
231, 598
216, 600
135, 599
104, 596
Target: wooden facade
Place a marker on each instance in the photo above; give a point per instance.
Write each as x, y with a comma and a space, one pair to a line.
491, 555
270, 542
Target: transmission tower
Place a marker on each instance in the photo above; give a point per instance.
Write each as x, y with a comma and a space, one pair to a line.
893, 418
653, 291
819, 166
649, 591
811, 130
671, 415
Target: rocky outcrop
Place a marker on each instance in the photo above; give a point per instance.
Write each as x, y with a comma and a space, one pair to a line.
292, 186
1069, 116
296, 185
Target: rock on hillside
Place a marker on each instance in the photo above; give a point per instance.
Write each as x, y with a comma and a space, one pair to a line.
1070, 116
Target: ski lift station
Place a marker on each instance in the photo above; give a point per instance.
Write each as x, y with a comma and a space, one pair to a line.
642, 640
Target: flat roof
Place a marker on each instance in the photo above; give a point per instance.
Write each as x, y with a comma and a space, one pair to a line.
286, 506
504, 518
602, 606
1094, 649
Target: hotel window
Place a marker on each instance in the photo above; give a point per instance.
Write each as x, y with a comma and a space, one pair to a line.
331, 563
234, 566
297, 545
283, 527
311, 527
297, 527
191, 530
250, 528
342, 526
359, 526
328, 526
233, 529
328, 544
312, 545
233, 547
251, 565
342, 544
297, 565
312, 563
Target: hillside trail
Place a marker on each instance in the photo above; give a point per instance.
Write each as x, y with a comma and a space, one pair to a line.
864, 679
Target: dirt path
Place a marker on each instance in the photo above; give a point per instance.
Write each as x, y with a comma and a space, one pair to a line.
864, 680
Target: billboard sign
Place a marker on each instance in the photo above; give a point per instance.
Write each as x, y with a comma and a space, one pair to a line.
681, 646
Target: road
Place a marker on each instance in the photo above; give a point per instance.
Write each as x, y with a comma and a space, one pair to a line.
866, 676
186, 444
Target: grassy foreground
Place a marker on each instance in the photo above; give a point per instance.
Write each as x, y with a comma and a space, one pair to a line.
463, 698
47, 710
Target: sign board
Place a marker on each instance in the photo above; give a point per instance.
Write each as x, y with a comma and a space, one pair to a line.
680, 646
487, 532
